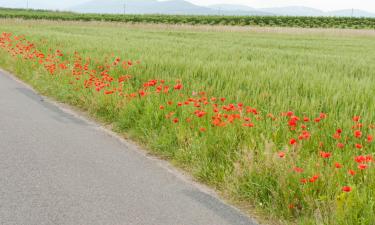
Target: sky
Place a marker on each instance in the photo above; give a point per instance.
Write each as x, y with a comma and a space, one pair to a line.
325, 5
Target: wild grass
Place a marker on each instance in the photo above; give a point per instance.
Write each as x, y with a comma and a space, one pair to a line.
305, 73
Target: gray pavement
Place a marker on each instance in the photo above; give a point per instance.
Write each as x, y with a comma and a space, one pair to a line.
56, 168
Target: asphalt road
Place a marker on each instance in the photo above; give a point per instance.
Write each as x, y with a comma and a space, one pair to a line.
56, 168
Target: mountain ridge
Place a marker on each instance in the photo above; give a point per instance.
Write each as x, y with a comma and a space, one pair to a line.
186, 8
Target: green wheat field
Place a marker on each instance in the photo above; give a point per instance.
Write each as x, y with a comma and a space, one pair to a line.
280, 121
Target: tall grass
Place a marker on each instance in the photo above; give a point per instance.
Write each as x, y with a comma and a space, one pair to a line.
307, 74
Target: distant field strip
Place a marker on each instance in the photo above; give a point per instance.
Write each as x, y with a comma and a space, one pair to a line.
279, 120
260, 21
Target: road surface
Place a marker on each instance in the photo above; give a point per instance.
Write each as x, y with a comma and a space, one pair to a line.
58, 169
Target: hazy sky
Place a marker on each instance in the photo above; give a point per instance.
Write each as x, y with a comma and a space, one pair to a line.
368, 5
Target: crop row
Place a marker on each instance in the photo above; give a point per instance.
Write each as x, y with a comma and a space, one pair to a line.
264, 21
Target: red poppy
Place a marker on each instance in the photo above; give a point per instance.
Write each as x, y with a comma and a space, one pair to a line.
370, 138
346, 189
337, 136
109, 92
289, 113
338, 165
200, 113
356, 118
359, 146
325, 155
178, 87
281, 154
298, 170
314, 178
340, 145
293, 141
323, 115
248, 125
358, 134
351, 172
360, 159
362, 166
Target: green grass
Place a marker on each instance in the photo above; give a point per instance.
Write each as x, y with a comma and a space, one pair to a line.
307, 73
262, 21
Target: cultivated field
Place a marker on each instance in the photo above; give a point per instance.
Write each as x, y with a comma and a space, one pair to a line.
281, 120
256, 21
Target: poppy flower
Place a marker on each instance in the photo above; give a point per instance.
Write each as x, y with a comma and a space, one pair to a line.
360, 159
358, 134
289, 113
281, 154
109, 92
317, 120
340, 145
248, 125
298, 170
293, 141
314, 178
346, 189
356, 118
200, 114
175, 120
362, 166
325, 155
178, 87
323, 115
351, 172
358, 146
337, 136
370, 138
338, 165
